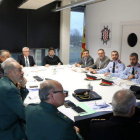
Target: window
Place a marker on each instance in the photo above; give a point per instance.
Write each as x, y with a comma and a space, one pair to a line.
40, 54
76, 34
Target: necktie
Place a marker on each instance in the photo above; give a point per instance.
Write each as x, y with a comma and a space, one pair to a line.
85, 61
113, 70
26, 63
133, 71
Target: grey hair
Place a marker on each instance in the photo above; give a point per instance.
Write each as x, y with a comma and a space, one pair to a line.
9, 66
7, 61
2, 52
24, 48
122, 102
45, 89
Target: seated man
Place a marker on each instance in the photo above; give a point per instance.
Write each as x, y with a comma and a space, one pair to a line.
85, 61
101, 62
12, 115
44, 119
120, 126
114, 68
51, 59
132, 72
26, 60
4, 54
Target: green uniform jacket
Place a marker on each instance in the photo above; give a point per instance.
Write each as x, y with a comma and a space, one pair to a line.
45, 122
11, 110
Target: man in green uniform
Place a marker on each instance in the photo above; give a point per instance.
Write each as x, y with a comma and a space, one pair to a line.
12, 113
44, 121
4, 54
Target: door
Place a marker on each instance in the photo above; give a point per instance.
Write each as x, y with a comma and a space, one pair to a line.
130, 41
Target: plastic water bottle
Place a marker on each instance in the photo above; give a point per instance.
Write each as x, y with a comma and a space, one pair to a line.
90, 87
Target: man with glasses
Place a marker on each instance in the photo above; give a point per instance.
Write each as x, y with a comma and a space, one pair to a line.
45, 121
26, 60
101, 62
4, 54
114, 68
86, 60
132, 72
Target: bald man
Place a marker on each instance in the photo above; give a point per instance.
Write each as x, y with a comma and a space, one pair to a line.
45, 121
120, 126
12, 116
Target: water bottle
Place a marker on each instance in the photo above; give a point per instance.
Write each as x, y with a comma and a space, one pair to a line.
90, 87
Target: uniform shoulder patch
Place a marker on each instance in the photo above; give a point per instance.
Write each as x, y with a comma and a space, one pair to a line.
12, 84
138, 65
120, 61
129, 66
63, 117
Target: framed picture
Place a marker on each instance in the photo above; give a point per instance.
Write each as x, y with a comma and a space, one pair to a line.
105, 40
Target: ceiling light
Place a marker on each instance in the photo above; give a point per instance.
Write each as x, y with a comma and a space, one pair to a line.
34, 4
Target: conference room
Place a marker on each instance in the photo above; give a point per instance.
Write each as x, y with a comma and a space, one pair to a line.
70, 27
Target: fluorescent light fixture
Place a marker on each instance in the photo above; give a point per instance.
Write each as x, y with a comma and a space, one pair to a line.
34, 4
1, 1
82, 2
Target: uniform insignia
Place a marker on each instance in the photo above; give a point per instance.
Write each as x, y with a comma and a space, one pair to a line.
136, 72
129, 66
65, 116
98, 119
12, 84
58, 112
138, 65
119, 61
86, 93
116, 67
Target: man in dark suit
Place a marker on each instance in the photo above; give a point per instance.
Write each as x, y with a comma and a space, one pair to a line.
4, 54
26, 60
12, 116
85, 61
120, 126
45, 121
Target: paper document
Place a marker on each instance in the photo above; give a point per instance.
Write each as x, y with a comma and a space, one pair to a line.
127, 82
99, 106
86, 108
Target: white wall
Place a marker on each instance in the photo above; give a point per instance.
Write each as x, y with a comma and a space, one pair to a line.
114, 11
64, 34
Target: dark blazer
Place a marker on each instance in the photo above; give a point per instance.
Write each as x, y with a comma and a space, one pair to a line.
117, 128
90, 61
11, 111
21, 60
45, 122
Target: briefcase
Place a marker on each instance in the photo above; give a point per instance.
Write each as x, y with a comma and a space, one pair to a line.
136, 90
